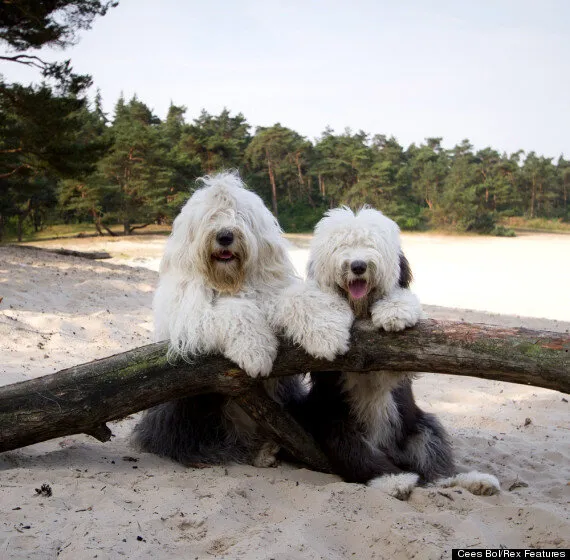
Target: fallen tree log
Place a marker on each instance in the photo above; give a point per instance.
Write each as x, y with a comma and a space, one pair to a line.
92, 255
83, 398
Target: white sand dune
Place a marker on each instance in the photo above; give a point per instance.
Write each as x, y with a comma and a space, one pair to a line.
110, 501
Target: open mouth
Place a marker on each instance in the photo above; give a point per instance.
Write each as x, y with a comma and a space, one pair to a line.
224, 256
357, 289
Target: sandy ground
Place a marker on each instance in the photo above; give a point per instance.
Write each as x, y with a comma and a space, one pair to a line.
110, 501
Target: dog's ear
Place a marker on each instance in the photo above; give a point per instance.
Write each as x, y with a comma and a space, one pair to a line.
176, 251
406, 275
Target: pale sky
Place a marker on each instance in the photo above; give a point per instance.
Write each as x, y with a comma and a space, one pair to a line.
494, 71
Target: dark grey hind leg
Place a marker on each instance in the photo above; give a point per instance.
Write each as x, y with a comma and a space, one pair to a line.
427, 451
353, 458
361, 462
201, 430
424, 446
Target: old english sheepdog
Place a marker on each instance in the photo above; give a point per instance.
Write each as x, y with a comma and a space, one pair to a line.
226, 285
369, 425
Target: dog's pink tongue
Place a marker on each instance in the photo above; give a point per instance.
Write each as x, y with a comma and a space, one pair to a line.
357, 289
225, 255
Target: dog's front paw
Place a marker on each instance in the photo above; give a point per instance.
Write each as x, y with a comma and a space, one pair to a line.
397, 314
478, 483
327, 343
398, 486
255, 361
391, 324
317, 321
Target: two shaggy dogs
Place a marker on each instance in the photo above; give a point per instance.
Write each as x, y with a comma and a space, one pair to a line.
227, 285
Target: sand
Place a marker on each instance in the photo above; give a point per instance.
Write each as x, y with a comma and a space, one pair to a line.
110, 501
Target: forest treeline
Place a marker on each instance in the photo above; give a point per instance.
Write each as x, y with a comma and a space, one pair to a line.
63, 160
136, 169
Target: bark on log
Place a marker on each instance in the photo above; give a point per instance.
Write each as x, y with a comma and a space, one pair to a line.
83, 398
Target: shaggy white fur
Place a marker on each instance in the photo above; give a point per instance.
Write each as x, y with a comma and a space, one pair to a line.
227, 284
342, 240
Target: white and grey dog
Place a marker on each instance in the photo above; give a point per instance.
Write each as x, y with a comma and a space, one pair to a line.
227, 285
369, 424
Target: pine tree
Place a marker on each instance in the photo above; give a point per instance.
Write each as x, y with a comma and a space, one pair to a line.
42, 140
28, 25
339, 161
134, 173
219, 141
184, 163
275, 153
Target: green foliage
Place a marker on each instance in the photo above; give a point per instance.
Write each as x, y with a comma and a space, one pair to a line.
43, 140
536, 224
13, 228
278, 156
138, 169
26, 24
33, 24
502, 231
218, 141
42, 128
133, 177
300, 217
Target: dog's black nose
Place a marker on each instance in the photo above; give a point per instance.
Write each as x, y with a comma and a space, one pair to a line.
358, 267
225, 237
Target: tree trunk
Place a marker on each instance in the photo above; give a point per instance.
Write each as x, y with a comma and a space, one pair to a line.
532, 198
273, 184
21, 218
96, 220
309, 195
133, 228
427, 198
565, 181
83, 398
300, 173
109, 230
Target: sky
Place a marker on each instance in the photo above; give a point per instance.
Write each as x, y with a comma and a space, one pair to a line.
493, 71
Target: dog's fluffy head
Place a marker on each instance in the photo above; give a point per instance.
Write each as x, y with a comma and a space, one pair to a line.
226, 236
358, 255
